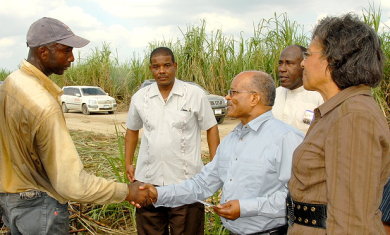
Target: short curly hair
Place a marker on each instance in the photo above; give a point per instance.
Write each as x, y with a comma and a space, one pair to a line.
162, 51
353, 51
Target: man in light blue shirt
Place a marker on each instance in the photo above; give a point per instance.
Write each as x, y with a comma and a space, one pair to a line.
252, 164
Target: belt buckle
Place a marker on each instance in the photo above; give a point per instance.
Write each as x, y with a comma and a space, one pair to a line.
30, 195
290, 211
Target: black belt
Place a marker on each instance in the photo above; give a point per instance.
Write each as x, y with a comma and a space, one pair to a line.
282, 230
307, 214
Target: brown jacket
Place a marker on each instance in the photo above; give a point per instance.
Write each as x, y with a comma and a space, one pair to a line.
344, 162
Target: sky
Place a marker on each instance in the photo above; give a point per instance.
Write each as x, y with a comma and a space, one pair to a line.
129, 25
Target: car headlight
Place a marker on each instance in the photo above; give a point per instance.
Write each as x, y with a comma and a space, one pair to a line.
92, 102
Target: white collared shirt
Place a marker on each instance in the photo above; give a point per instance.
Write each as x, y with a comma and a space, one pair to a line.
170, 146
296, 107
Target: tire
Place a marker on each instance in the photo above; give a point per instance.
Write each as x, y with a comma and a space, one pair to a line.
64, 108
220, 120
110, 112
85, 110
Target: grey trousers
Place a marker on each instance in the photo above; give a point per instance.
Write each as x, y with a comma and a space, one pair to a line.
35, 214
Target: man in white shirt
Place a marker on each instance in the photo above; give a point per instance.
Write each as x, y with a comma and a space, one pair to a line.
293, 104
172, 114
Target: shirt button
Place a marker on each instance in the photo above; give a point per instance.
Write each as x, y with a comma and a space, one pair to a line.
230, 179
236, 159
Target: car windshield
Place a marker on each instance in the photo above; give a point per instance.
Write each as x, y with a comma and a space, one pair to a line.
92, 91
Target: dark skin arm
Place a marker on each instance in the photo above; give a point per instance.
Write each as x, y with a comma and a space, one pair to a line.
131, 141
213, 140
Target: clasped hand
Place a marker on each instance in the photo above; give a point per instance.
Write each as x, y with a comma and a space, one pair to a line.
141, 194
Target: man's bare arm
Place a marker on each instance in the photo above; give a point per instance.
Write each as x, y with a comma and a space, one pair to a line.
213, 140
131, 141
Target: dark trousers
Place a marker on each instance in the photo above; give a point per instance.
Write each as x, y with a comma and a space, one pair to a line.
282, 230
187, 220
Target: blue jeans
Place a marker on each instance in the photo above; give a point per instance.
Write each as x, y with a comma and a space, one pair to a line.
35, 215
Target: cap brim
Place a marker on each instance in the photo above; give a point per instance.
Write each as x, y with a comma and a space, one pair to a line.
74, 41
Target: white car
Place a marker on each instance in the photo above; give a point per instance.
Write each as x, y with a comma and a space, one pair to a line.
87, 99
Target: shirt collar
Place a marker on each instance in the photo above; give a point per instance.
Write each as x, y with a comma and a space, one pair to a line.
48, 84
177, 89
296, 90
342, 96
256, 123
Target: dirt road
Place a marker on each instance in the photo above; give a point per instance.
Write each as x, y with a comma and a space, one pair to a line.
106, 124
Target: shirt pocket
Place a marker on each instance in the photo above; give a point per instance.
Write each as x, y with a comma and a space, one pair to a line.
223, 167
181, 119
261, 174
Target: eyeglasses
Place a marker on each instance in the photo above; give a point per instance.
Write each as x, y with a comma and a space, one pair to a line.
307, 54
232, 93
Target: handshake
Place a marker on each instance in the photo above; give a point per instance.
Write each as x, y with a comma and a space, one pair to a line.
141, 194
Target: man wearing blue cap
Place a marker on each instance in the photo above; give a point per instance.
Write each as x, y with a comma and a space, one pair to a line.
40, 169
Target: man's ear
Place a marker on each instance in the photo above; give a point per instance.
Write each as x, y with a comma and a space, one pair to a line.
43, 53
256, 98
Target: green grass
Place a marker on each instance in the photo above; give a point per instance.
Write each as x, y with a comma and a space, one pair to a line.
3, 74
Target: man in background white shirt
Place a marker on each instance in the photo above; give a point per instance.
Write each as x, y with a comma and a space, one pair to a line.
293, 104
172, 114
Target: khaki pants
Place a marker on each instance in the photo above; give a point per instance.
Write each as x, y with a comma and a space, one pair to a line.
187, 220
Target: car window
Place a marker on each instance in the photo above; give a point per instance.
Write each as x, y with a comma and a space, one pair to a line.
68, 91
147, 83
92, 91
76, 91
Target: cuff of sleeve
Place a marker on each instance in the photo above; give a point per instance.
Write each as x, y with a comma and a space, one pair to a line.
248, 207
122, 190
161, 196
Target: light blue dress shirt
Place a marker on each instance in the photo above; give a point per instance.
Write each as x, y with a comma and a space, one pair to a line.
252, 165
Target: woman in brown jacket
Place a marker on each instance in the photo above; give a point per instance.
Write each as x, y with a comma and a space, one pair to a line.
343, 163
